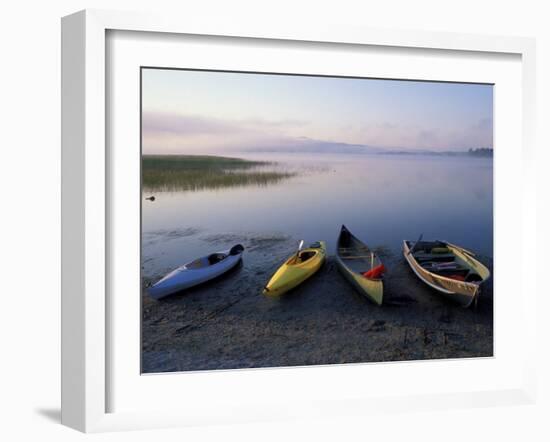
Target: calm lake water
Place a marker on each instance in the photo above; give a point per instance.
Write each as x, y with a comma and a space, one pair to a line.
228, 323
381, 199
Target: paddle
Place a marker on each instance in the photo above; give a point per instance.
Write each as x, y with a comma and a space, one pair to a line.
300, 244
415, 244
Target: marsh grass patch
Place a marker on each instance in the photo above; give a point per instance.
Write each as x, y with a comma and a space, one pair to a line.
194, 172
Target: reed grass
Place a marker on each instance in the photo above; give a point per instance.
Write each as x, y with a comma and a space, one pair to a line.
193, 172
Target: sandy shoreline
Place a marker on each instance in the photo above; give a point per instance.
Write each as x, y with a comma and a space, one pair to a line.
229, 324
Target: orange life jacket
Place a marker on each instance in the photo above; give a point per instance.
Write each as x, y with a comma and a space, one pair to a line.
375, 273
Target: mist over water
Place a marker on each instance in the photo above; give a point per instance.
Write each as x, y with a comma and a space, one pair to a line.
381, 199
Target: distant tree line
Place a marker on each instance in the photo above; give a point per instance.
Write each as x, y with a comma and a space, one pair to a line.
481, 152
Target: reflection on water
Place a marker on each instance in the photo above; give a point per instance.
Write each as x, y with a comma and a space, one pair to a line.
382, 199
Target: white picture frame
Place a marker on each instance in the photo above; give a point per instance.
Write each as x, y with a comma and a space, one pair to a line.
86, 208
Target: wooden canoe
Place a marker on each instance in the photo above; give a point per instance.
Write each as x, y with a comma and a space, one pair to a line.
354, 259
449, 269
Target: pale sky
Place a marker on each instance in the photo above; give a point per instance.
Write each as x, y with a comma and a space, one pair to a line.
216, 112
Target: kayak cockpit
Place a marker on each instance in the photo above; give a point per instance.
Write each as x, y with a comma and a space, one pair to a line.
305, 255
199, 263
214, 258
301, 257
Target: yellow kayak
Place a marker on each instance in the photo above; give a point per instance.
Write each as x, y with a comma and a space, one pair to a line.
297, 269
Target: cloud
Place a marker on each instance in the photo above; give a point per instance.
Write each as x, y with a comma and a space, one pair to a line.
165, 123
283, 124
173, 133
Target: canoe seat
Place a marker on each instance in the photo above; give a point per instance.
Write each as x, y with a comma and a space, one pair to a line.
423, 257
460, 271
445, 268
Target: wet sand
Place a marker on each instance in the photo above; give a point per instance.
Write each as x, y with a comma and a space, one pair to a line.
228, 323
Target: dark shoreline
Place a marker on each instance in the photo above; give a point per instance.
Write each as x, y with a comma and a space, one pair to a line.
229, 324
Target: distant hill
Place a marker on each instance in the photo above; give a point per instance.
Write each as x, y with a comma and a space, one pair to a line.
308, 145
481, 152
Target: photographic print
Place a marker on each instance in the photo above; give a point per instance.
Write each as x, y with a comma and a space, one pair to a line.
297, 220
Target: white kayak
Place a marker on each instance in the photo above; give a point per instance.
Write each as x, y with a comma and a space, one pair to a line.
196, 272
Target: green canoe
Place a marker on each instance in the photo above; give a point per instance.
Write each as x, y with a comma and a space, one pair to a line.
360, 266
